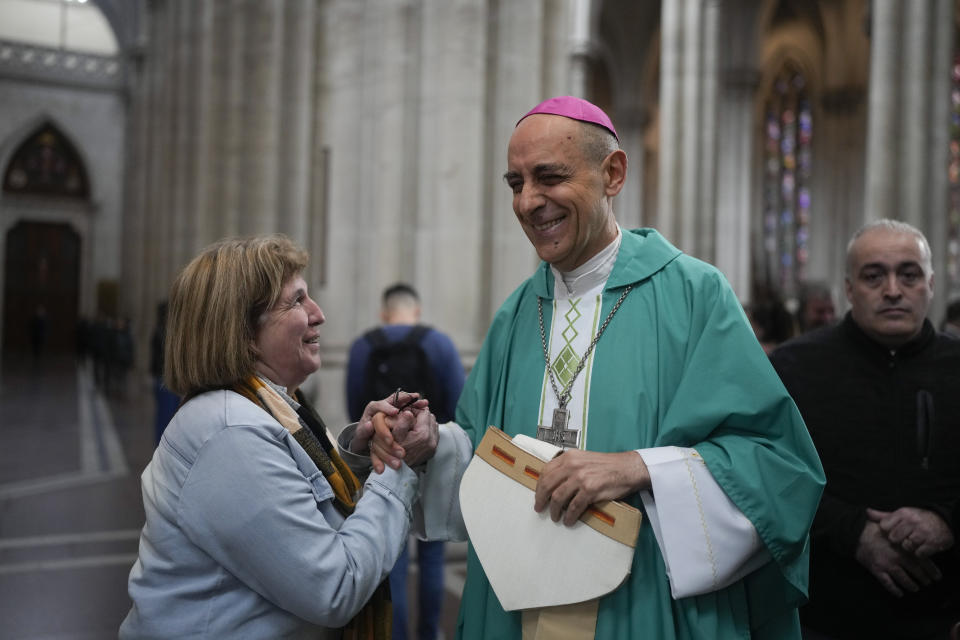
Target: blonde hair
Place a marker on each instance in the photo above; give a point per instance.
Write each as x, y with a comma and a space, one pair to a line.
215, 306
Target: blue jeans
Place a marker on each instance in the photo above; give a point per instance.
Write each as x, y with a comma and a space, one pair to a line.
430, 590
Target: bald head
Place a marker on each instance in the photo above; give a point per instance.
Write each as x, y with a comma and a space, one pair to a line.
894, 227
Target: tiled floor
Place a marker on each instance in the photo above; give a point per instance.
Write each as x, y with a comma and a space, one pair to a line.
70, 510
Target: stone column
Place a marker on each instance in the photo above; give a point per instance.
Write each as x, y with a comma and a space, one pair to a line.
183, 179
883, 131
688, 93
700, 224
631, 120
907, 144
295, 112
515, 85
449, 222
671, 126
941, 48
580, 46
262, 64
735, 175
212, 152
839, 131
367, 113
133, 257
735, 143
158, 209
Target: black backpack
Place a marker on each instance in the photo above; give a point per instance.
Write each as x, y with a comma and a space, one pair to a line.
401, 364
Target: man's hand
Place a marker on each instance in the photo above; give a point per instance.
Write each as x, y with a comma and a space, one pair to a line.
573, 481
420, 441
893, 567
379, 436
917, 531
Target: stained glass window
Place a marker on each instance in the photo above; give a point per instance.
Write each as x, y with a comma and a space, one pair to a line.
787, 135
953, 216
47, 164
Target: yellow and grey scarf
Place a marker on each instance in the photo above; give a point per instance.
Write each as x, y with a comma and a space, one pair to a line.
373, 622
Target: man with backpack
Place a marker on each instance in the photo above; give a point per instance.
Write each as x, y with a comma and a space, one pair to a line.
402, 353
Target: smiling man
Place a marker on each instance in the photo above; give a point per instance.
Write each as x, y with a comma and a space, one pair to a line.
639, 362
879, 395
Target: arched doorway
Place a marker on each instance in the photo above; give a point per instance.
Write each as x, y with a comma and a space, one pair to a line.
42, 269
42, 251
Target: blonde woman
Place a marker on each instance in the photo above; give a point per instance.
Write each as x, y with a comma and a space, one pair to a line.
255, 528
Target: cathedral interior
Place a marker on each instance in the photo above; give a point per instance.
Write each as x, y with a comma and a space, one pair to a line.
760, 135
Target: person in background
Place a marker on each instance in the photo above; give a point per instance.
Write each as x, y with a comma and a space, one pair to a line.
770, 319
816, 307
120, 356
402, 352
878, 393
951, 319
165, 401
255, 527
38, 330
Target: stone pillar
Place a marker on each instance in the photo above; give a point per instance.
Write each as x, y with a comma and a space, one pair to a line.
449, 222
941, 48
515, 84
736, 142
688, 94
295, 109
212, 152
183, 167
915, 35
158, 210
133, 254
883, 117
631, 120
700, 226
839, 131
580, 46
671, 126
367, 114
735, 176
907, 144
262, 63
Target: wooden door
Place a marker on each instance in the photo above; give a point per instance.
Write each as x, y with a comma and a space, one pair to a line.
42, 273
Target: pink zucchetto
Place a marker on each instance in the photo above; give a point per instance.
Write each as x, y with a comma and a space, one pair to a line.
575, 108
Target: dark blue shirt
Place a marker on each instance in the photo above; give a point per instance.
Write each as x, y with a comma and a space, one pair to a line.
443, 357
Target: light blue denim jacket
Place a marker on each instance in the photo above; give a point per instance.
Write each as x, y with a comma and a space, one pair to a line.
242, 539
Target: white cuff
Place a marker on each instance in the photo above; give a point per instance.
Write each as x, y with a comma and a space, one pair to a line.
706, 542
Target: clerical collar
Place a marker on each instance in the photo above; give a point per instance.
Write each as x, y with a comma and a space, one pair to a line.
591, 274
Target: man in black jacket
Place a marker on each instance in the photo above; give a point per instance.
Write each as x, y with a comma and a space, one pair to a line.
880, 394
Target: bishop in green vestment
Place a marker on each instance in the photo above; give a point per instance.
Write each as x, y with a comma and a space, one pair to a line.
678, 365
675, 368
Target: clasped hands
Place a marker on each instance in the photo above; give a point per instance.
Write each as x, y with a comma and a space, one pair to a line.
895, 546
397, 429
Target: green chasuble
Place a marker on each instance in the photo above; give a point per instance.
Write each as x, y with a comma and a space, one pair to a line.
678, 365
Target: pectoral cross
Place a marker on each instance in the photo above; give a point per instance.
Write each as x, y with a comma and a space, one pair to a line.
557, 433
